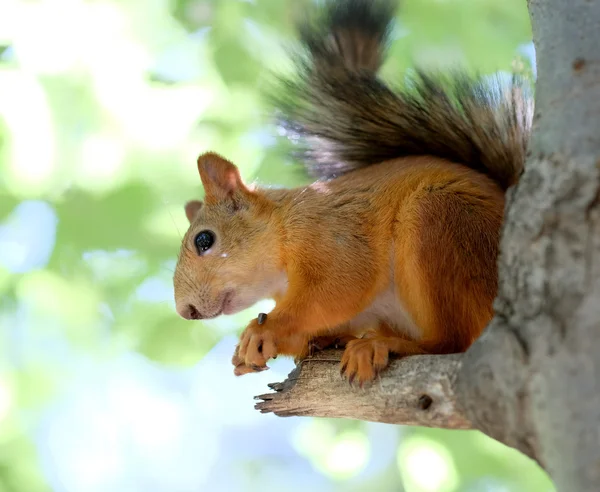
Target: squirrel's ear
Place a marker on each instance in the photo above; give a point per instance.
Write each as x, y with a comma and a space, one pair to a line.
191, 209
220, 178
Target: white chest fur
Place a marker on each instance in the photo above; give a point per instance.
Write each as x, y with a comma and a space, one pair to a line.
387, 307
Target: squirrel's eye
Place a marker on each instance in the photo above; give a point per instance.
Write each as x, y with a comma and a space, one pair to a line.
204, 240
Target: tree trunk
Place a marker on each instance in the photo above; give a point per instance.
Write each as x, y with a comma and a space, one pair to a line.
532, 380
542, 351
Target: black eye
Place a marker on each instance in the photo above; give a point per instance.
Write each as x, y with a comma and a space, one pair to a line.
204, 240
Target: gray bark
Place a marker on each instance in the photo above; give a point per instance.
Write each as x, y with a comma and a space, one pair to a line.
548, 306
420, 390
532, 380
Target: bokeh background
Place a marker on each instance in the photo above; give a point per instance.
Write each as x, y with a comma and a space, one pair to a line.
104, 106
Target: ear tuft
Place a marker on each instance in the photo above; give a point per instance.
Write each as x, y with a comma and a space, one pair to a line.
220, 177
191, 209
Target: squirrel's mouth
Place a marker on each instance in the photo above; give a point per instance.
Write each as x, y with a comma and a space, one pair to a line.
224, 306
227, 305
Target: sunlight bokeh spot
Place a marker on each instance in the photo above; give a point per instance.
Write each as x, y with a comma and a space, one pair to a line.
426, 466
313, 439
339, 456
24, 108
101, 166
348, 455
60, 23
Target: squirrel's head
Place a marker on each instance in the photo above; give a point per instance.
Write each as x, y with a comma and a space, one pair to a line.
229, 256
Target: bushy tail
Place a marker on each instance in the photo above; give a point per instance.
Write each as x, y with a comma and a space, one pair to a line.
344, 117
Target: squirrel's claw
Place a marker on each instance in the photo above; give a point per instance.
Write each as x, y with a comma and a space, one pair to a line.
363, 360
257, 345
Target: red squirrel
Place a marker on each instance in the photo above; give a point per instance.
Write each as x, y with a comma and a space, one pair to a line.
393, 249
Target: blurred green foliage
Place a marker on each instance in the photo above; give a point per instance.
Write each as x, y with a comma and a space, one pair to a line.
104, 106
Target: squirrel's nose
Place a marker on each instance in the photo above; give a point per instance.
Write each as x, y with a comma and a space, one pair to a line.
189, 312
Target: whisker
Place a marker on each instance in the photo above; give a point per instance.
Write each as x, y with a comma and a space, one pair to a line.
166, 203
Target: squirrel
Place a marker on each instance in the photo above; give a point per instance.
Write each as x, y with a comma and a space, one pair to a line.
392, 250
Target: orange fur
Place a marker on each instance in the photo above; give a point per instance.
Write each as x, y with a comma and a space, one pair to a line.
396, 254
402, 253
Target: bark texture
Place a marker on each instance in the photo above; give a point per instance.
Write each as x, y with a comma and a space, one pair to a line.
549, 295
532, 380
420, 390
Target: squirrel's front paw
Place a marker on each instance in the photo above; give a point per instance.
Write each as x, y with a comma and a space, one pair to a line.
240, 367
257, 345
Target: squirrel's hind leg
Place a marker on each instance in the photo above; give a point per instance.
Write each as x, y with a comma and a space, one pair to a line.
365, 358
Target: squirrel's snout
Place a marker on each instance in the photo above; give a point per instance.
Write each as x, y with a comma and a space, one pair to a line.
188, 311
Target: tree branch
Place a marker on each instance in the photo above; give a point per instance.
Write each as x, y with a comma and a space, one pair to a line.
417, 390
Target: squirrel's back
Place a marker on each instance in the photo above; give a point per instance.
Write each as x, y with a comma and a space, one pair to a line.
345, 117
